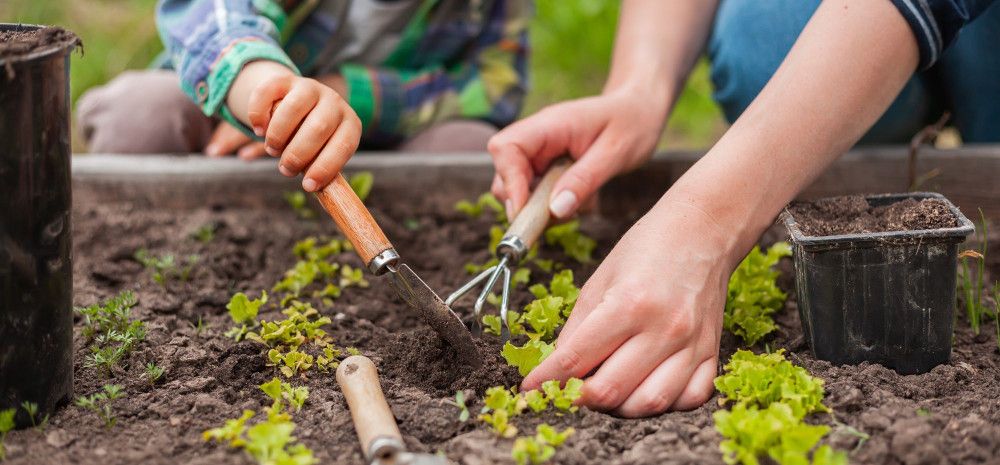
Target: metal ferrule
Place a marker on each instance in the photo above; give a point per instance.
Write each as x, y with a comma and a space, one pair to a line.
383, 262
383, 448
513, 247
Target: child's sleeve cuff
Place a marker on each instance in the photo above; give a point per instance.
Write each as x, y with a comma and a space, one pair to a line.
220, 79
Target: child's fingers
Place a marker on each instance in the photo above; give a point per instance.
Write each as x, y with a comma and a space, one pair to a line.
311, 135
261, 100
225, 140
251, 151
288, 115
334, 155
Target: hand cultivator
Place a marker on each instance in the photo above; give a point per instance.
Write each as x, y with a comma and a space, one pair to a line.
524, 230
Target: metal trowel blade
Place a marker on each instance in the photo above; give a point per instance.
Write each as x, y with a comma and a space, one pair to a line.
435, 312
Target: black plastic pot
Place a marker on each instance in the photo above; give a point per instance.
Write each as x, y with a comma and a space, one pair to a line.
36, 280
887, 297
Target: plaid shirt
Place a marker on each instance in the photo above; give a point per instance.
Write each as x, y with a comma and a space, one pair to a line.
454, 58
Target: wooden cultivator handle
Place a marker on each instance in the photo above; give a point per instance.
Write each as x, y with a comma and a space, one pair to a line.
532, 219
353, 219
373, 419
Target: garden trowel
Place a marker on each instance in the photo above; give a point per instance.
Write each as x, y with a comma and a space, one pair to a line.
381, 258
373, 420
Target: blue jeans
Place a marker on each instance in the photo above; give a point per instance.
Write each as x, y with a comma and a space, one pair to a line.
750, 38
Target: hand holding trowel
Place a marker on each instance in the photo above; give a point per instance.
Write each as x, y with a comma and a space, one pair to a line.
378, 254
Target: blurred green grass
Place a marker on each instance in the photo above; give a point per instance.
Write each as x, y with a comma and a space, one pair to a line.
571, 49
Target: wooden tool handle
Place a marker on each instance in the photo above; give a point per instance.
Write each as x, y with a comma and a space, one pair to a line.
354, 219
532, 219
358, 380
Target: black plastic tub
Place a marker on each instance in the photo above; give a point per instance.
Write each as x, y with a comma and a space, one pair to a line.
886, 297
36, 272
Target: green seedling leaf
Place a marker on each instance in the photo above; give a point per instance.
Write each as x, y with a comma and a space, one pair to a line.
361, 183
484, 202
768, 378
574, 243
6, 425
544, 316
153, 372
110, 331
753, 294
300, 204
537, 401
204, 233
752, 432
528, 356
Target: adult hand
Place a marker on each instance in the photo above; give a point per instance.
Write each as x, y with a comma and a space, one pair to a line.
650, 318
227, 140
606, 134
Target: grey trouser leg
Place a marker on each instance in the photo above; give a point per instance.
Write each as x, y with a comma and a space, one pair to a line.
462, 135
142, 112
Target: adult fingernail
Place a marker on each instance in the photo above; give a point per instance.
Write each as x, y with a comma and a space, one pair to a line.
310, 185
259, 131
563, 204
271, 151
285, 171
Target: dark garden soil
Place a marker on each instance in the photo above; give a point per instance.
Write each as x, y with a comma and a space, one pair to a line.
852, 214
950, 415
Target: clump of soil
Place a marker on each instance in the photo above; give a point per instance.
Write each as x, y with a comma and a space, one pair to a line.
853, 214
17, 43
948, 415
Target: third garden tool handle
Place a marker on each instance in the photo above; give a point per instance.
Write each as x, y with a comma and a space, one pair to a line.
530, 222
354, 220
373, 420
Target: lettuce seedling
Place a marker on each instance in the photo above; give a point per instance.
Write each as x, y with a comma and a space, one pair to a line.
485, 201
753, 294
527, 356
166, 267
328, 360
110, 330
500, 405
541, 447
280, 391
232, 431
768, 378
243, 311
563, 398
544, 316
361, 183
300, 205
573, 242
100, 403
6, 426
153, 373
752, 432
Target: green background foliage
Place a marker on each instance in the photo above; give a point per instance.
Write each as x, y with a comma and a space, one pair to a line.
571, 50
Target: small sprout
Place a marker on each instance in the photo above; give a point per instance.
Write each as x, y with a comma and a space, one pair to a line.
280, 392
971, 284
463, 412
166, 267
111, 331
923, 412
244, 311
353, 351
100, 403
411, 224
6, 425
199, 327
527, 356
541, 447
563, 398
204, 233
361, 183
300, 205
153, 373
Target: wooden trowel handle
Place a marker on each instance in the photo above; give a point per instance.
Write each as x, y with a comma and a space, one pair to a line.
354, 219
532, 219
358, 380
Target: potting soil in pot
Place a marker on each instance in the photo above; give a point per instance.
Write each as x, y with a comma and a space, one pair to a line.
948, 415
852, 214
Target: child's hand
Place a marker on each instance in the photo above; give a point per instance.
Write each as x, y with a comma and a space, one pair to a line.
227, 140
306, 123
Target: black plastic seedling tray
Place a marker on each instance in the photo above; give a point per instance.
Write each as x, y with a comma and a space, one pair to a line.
886, 297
